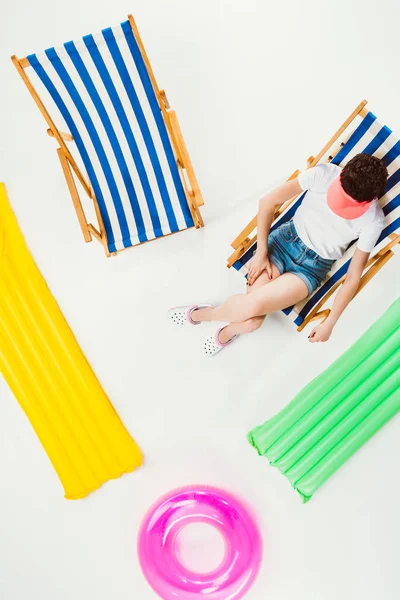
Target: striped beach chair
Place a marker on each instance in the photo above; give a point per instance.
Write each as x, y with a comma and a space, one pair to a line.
368, 136
121, 128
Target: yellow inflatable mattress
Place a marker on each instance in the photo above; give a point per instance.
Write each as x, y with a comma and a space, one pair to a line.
50, 376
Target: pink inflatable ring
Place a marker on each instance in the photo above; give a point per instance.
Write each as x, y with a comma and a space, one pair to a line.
197, 504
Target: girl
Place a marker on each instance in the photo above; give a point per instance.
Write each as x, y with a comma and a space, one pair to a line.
341, 205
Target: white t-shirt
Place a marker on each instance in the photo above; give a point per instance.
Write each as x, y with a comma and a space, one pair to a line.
321, 229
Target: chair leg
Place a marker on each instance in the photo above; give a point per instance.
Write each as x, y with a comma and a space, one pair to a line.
74, 195
194, 196
186, 162
190, 196
103, 235
88, 229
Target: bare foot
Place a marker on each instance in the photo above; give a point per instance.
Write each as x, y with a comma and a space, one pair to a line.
198, 315
224, 335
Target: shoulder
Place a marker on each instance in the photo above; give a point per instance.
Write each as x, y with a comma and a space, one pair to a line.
374, 215
319, 178
371, 227
372, 222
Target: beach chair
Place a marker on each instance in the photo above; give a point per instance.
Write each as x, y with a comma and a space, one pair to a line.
368, 136
121, 128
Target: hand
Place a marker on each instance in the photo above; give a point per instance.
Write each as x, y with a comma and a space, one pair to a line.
258, 264
321, 333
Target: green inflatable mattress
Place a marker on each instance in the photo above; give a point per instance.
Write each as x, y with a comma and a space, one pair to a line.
336, 413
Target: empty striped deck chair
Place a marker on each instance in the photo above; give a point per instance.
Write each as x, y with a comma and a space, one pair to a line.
121, 128
368, 136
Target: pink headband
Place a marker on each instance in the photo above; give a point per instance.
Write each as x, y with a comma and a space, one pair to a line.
344, 205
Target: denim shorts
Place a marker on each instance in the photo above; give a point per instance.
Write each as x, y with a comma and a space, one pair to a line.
290, 255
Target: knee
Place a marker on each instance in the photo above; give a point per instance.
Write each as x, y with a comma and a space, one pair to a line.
253, 310
252, 324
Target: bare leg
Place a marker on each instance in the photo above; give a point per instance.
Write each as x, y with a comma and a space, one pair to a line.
228, 332
286, 290
263, 279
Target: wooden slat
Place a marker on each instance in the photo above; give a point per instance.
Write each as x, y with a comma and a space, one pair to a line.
96, 234
321, 315
186, 162
65, 136
164, 99
24, 62
197, 218
337, 149
339, 132
394, 240
103, 234
247, 243
74, 195
172, 135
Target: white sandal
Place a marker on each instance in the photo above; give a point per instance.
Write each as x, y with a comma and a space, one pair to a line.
212, 345
181, 315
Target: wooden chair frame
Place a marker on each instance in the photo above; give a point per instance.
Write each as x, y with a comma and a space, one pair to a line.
245, 239
72, 171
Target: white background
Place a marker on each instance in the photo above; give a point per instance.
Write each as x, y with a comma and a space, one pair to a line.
258, 86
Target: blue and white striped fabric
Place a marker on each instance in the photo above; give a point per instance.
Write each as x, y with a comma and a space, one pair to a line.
103, 91
372, 138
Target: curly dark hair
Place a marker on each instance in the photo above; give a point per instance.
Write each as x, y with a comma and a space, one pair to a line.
364, 177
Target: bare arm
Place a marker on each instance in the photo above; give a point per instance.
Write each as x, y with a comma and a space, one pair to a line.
267, 206
347, 291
